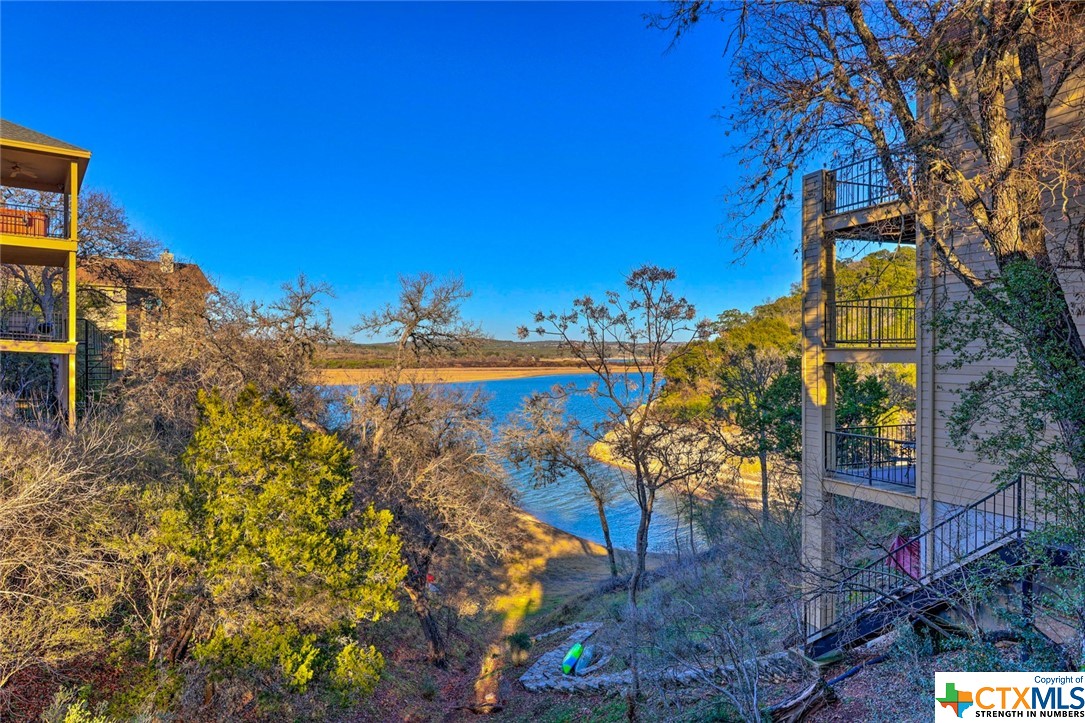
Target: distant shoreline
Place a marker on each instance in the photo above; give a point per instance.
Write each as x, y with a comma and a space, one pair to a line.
448, 374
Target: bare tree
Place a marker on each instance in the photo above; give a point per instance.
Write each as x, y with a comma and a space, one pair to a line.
426, 322
57, 502
544, 437
105, 230
225, 343
423, 449
626, 341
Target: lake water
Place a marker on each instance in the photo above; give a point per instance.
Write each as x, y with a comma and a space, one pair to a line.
565, 504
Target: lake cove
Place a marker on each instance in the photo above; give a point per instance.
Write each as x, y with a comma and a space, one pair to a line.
565, 505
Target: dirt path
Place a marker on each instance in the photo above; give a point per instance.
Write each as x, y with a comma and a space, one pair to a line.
553, 565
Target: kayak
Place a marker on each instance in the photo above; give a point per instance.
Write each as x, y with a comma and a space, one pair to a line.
585, 660
568, 665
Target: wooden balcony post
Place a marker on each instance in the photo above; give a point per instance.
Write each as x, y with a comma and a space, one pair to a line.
70, 287
73, 201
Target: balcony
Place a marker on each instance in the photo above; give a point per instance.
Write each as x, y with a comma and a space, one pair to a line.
860, 203
883, 321
35, 227
862, 184
20, 325
881, 456
37, 220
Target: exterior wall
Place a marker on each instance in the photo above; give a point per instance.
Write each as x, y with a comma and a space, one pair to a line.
107, 307
956, 477
817, 272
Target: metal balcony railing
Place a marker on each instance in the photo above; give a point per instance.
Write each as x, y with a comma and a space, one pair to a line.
1003, 516
45, 221
862, 184
32, 326
872, 455
876, 322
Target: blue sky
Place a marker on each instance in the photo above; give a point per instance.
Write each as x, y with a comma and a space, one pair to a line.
540, 151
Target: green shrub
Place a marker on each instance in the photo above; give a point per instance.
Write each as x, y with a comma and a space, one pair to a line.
291, 564
357, 668
282, 648
68, 707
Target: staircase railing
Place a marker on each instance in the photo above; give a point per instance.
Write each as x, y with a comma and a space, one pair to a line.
1005, 515
96, 362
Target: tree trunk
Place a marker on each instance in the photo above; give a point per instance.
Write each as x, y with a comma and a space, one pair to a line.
178, 649
608, 543
434, 640
633, 693
1058, 352
692, 541
416, 584
763, 458
800, 706
642, 546
678, 528
646, 501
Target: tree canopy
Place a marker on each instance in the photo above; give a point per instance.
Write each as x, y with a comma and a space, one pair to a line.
273, 528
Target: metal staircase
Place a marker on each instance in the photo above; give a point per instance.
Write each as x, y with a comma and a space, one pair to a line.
95, 363
864, 600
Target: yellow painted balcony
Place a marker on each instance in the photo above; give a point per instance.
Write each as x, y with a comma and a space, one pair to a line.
38, 220
35, 227
20, 325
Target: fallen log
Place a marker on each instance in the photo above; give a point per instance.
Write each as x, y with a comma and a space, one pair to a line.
796, 708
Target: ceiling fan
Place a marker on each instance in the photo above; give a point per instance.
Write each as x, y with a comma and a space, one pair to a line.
17, 171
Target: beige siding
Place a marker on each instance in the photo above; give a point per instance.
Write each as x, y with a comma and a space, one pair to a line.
958, 476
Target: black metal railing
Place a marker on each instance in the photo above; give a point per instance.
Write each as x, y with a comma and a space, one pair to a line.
863, 184
1003, 516
33, 326
98, 360
43, 220
876, 322
872, 455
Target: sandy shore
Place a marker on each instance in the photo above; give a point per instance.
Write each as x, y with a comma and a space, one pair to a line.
448, 374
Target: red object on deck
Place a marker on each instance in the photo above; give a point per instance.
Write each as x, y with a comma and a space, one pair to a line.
904, 555
23, 223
